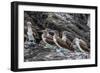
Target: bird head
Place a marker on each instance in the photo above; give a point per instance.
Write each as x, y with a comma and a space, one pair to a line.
55, 32
76, 40
43, 31
64, 33
29, 23
47, 30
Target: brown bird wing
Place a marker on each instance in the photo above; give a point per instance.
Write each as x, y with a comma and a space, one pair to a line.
50, 40
83, 42
84, 47
68, 41
63, 44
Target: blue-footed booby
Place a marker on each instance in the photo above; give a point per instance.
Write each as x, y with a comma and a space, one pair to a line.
30, 33
64, 38
60, 42
47, 38
80, 44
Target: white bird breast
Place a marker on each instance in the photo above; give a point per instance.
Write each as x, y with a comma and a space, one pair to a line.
77, 43
64, 38
30, 34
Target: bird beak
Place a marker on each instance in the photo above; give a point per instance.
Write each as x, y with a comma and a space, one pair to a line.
51, 31
41, 31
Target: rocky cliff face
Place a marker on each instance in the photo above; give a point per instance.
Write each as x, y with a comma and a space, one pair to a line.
75, 25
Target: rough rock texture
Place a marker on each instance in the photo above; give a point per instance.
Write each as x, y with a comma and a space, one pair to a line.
76, 25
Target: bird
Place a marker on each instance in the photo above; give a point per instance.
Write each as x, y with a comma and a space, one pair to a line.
80, 44
30, 33
61, 43
84, 46
65, 39
47, 38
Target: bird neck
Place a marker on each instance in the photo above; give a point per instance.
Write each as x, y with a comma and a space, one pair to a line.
78, 45
64, 38
56, 34
29, 27
45, 33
